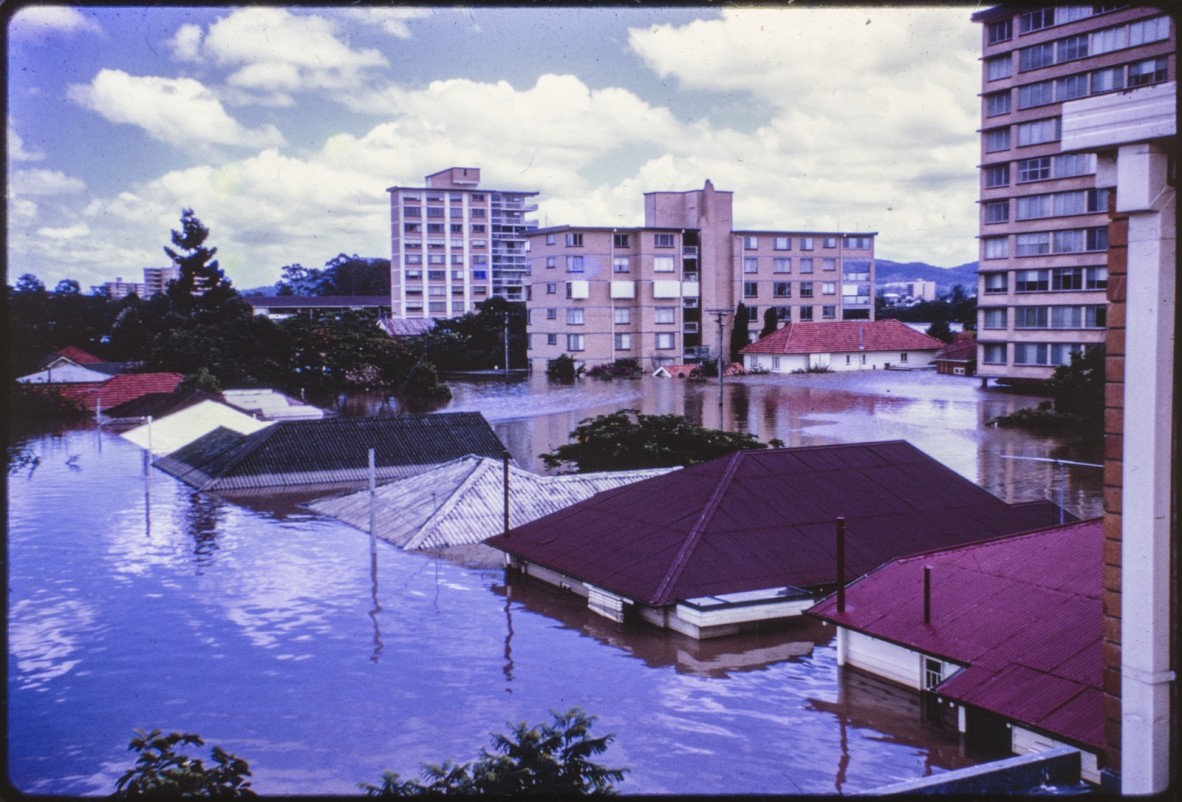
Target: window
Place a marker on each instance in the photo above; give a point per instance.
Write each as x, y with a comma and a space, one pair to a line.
551, 339
1095, 317
623, 342
1034, 244
551, 262
806, 314
662, 240
1000, 31
993, 318
830, 242
665, 340
1073, 164
1067, 278
1038, 132
781, 265
1109, 39
750, 243
861, 243
1096, 238
1148, 72
1108, 80
1039, 94
574, 264
662, 264
750, 289
1033, 207
552, 289
997, 139
620, 264
1031, 280
1144, 31
997, 175
782, 243
829, 312
750, 264
830, 264
806, 289
998, 67
996, 247
549, 239
551, 314
1061, 353
1098, 199
1096, 278
664, 314
806, 265
1036, 20
1031, 317
622, 315
997, 211
806, 243
574, 240
575, 317
1068, 203
575, 342
1031, 58
829, 288
434, 212
1071, 87
1067, 317
782, 289
621, 241
436, 275
1030, 354
994, 354
1034, 169
1071, 48
997, 103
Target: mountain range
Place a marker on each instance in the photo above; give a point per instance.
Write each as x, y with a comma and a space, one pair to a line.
886, 271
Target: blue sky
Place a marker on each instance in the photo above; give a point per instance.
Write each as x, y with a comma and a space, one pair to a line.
282, 127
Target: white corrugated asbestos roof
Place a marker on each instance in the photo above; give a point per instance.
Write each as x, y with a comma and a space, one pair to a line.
181, 428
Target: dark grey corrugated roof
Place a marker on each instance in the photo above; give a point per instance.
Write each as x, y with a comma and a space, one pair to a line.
330, 451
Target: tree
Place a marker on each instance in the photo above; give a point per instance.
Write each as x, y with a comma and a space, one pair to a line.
563, 368
739, 337
1078, 387
67, 286
627, 439
202, 380
163, 772
547, 759
771, 321
941, 331
27, 283
476, 340
200, 274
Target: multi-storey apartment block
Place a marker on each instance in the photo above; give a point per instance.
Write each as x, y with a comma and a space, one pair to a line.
454, 245
656, 293
1044, 207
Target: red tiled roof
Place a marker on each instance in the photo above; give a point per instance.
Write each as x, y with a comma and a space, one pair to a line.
1024, 613
842, 336
764, 519
121, 389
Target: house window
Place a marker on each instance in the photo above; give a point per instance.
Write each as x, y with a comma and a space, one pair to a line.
806, 265
829, 242
574, 264
1156, 29
1033, 207
549, 239
994, 354
1030, 354
1031, 280
829, 264
806, 314
1032, 58
1071, 87
997, 175
1039, 94
996, 140
1001, 31
782, 265
574, 317
1071, 48
997, 104
933, 670
551, 262
1038, 169
621, 240
574, 240
623, 342
996, 247
1035, 21
552, 289
782, 243
1109, 39
996, 282
750, 243
1031, 317
622, 315
551, 314
806, 243
1038, 132
1153, 71
751, 264
663, 240
664, 314
1035, 244
829, 312
829, 288
993, 318
1097, 238
860, 243
1069, 241
750, 289
903, 357
662, 264
806, 289
551, 339
998, 67
782, 289
1096, 278
664, 340
1109, 80
997, 211
620, 264
574, 342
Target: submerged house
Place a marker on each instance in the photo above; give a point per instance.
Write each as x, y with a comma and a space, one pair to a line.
328, 454
1003, 636
463, 501
722, 546
190, 423
841, 345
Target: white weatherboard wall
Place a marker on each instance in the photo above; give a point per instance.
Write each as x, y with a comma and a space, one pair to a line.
839, 362
1025, 742
883, 659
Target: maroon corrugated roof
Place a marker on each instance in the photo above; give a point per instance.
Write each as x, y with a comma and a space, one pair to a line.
765, 519
1023, 613
964, 347
841, 336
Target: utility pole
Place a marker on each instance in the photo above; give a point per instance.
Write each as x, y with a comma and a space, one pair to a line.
719, 315
506, 344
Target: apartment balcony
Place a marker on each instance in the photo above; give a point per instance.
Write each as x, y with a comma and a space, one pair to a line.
689, 252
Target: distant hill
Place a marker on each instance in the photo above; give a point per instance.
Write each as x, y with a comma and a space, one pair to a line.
945, 277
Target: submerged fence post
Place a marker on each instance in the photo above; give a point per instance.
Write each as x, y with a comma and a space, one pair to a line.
505, 478
841, 563
373, 484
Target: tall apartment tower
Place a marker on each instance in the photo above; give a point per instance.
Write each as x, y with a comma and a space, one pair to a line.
453, 245
1043, 208
655, 293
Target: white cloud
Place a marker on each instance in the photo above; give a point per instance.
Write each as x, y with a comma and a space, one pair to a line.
17, 151
40, 22
43, 182
391, 20
179, 111
186, 42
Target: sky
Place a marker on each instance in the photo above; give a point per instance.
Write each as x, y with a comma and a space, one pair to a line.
282, 127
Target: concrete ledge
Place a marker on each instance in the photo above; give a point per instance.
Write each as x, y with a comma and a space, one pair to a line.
1014, 775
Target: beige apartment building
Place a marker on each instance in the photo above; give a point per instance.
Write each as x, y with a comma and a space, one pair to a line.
659, 293
454, 244
1043, 204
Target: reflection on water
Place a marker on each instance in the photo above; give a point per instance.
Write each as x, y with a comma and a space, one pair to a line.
325, 657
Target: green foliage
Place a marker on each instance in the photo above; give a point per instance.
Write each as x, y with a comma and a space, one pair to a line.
28, 283
627, 439
341, 275
1078, 393
31, 403
349, 351
956, 307
739, 337
202, 380
422, 382
627, 368
476, 340
547, 759
941, 331
563, 368
202, 282
162, 771
771, 322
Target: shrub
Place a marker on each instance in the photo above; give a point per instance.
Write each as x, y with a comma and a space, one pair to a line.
162, 772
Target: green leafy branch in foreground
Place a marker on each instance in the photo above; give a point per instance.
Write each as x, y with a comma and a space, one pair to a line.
162, 772
548, 759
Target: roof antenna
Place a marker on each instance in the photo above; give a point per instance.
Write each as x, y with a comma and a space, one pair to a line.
927, 594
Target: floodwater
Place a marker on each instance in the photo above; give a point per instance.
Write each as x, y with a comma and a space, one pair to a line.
324, 657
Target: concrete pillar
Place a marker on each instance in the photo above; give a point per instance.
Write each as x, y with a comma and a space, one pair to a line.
1147, 481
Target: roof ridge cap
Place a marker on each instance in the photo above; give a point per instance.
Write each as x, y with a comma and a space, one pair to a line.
449, 503
695, 534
